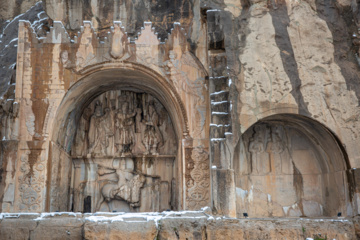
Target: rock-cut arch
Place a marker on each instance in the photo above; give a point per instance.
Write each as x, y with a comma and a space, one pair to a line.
291, 166
94, 82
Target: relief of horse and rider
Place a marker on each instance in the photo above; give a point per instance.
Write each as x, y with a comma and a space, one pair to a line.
116, 130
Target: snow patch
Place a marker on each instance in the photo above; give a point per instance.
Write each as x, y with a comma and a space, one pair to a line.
220, 113
217, 139
218, 103
53, 214
241, 193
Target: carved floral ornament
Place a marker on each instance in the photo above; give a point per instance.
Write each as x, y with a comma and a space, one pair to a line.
197, 177
31, 180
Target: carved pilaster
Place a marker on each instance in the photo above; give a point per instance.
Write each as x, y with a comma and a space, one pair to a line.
197, 177
31, 176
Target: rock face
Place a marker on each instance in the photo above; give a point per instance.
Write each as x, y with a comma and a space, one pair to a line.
249, 107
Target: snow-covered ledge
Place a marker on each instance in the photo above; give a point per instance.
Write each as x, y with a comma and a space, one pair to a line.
170, 225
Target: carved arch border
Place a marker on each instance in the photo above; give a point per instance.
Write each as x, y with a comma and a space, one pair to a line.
293, 112
317, 131
165, 87
115, 74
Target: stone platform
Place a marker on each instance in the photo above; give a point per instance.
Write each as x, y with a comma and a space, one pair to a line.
171, 225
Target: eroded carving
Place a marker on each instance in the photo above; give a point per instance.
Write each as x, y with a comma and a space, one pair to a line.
124, 128
152, 135
85, 54
100, 131
31, 181
198, 177
126, 189
119, 42
124, 153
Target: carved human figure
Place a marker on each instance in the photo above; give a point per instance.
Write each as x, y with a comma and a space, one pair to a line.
278, 152
81, 138
99, 132
85, 52
126, 189
259, 158
64, 57
108, 127
124, 129
117, 46
152, 135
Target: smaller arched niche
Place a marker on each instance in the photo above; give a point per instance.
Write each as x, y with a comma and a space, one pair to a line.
291, 166
124, 154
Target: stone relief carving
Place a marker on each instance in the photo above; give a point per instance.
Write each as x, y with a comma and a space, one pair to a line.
152, 135
260, 162
124, 153
268, 148
119, 42
31, 181
85, 54
284, 155
82, 134
197, 177
124, 128
127, 187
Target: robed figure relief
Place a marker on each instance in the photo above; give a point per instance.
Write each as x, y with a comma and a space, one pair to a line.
260, 161
100, 131
152, 135
124, 129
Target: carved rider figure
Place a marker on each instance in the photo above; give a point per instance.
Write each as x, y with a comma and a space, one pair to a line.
126, 189
124, 129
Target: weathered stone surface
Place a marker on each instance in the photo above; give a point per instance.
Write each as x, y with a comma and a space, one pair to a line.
16, 228
136, 229
58, 228
171, 225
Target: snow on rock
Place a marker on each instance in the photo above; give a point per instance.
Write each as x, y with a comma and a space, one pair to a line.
146, 217
9, 39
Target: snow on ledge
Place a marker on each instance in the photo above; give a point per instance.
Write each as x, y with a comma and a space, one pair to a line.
115, 216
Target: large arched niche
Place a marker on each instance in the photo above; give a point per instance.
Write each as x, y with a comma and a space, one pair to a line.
129, 79
291, 166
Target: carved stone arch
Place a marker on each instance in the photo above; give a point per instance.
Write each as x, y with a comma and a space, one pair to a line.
290, 165
96, 80
144, 78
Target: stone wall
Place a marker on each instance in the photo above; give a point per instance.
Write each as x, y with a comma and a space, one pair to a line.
170, 225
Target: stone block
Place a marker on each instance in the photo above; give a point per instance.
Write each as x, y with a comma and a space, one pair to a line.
120, 230
58, 228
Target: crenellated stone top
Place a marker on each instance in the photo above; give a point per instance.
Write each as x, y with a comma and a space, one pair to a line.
89, 48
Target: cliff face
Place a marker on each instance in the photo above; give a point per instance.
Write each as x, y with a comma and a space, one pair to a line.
265, 62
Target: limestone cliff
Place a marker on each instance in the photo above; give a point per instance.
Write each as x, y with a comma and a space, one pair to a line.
270, 88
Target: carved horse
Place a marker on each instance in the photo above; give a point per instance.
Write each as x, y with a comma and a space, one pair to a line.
129, 192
